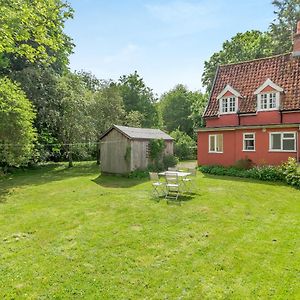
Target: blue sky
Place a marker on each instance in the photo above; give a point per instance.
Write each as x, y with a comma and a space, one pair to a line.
166, 41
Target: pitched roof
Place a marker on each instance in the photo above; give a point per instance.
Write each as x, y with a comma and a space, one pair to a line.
246, 77
140, 133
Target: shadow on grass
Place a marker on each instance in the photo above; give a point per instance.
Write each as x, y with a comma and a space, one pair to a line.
42, 175
117, 181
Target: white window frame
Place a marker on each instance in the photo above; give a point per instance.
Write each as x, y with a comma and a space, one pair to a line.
227, 99
244, 140
277, 99
215, 138
281, 140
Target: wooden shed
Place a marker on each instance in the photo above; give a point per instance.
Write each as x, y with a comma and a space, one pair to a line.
125, 149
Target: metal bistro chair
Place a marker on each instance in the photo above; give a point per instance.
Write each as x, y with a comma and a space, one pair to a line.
189, 182
157, 186
172, 185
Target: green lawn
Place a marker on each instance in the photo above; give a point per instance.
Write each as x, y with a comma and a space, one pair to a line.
74, 234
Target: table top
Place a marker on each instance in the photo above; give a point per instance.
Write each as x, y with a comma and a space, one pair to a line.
179, 174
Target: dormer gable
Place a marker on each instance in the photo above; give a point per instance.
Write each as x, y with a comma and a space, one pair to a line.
228, 89
266, 84
268, 96
228, 100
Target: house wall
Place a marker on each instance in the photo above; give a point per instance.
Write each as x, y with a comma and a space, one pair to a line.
260, 118
233, 148
112, 153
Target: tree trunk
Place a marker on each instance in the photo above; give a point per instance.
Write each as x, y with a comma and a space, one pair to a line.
70, 159
98, 153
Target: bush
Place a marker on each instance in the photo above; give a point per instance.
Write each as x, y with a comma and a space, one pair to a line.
185, 146
138, 174
287, 172
244, 164
290, 170
169, 161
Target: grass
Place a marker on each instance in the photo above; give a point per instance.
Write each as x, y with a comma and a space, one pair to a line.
73, 234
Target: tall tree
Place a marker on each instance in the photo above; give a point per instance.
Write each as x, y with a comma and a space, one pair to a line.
75, 121
106, 109
283, 28
198, 104
243, 46
138, 97
32, 31
17, 134
175, 108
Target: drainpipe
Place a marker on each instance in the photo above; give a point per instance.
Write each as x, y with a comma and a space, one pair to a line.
239, 118
280, 110
297, 145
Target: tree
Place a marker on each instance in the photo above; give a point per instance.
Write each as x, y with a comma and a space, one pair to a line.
106, 109
185, 146
175, 109
17, 134
75, 123
243, 46
32, 31
133, 118
198, 104
138, 97
283, 28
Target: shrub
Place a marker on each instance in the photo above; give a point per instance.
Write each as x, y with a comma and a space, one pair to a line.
287, 172
290, 170
244, 164
169, 161
138, 174
185, 146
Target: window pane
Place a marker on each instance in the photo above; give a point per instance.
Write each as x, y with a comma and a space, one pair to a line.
276, 141
224, 105
272, 100
212, 143
249, 145
249, 136
289, 135
219, 142
288, 145
232, 104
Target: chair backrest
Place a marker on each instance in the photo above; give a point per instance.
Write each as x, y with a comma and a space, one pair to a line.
172, 177
192, 171
172, 169
153, 176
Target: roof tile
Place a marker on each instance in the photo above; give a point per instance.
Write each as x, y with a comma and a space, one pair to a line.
246, 77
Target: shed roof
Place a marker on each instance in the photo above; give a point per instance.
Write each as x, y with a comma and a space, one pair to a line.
140, 133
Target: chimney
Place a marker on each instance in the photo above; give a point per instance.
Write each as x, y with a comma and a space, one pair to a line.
296, 46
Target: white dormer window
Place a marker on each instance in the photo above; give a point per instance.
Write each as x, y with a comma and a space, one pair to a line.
268, 100
228, 104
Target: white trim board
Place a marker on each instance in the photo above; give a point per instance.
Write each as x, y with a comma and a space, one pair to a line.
230, 89
270, 83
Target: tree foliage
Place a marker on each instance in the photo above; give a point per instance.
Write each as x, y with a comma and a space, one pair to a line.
138, 97
243, 46
75, 120
17, 134
33, 30
185, 146
179, 109
283, 28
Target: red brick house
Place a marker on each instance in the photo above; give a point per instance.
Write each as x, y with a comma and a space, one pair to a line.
254, 111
